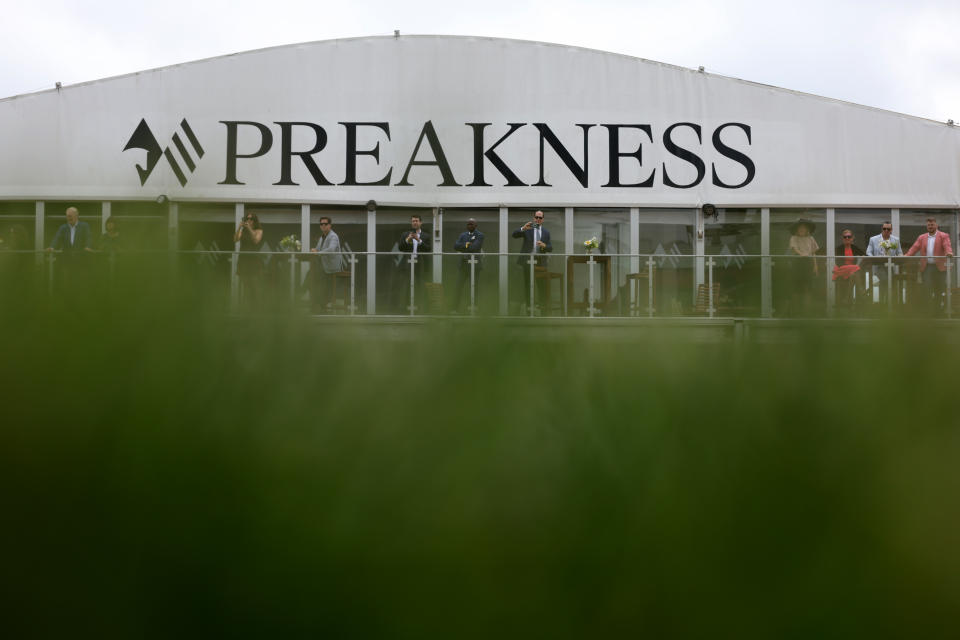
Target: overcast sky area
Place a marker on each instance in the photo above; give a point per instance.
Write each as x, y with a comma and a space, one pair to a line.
897, 55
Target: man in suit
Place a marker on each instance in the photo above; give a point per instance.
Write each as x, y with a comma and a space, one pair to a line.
330, 263
73, 236
416, 242
880, 246
935, 245
536, 242
73, 240
470, 243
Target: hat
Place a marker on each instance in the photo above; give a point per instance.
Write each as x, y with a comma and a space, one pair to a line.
811, 227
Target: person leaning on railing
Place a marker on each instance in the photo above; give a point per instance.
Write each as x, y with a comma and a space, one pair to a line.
846, 270
470, 242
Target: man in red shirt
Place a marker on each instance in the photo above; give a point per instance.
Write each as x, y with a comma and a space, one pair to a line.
935, 245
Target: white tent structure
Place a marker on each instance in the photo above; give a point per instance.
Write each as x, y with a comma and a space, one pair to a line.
438, 123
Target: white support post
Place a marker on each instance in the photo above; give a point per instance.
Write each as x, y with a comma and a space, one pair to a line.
173, 226
173, 238
371, 262
473, 284
304, 243
438, 245
699, 245
38, 243
895, 223
766, 264
104, 214
504, 274
238, 211
828, 270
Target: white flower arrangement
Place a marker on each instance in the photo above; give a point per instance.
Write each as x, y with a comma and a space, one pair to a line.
591, 244
291, 243
888, 245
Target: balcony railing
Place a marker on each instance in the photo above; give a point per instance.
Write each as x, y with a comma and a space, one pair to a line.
511, 285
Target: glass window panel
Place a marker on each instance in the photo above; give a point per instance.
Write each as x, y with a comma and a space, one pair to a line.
668, 234
350, 225
393, 269
797, 290
733, 235
17, 225
555, 222
611, 227
456, 269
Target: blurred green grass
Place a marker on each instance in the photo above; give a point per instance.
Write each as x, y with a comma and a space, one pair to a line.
170, 470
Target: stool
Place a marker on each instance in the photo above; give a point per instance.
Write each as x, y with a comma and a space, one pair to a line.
635, 279
541, 273
341, 277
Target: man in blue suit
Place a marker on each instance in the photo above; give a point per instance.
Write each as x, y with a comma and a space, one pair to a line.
73, 236
536, 242
470, 242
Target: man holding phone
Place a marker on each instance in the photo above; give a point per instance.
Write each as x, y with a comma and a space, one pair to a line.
536, 242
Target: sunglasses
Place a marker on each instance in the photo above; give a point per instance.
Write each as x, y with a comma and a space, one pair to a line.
538, 217
848, 237
886, 229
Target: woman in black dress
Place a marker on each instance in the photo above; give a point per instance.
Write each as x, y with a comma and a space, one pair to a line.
249, 265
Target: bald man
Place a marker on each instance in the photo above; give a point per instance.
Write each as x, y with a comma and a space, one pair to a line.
72, 236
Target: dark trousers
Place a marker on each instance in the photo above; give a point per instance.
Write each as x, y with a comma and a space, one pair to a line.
463, 286
419, 281
934, 285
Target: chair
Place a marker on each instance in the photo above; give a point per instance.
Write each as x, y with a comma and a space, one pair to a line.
703, 298
434, 298
541, 273
641, 297
341, 277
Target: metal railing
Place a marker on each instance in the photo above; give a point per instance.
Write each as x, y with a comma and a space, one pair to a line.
589, 285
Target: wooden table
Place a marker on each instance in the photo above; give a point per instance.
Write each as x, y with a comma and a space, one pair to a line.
603, 299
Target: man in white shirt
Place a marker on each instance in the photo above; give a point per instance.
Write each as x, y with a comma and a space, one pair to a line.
416, 242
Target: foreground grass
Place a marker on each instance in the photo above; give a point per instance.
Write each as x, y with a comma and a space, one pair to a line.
168, 471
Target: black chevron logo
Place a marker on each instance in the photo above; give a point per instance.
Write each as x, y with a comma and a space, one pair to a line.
144, 139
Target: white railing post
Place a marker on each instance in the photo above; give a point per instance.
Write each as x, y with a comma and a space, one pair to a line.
650, 267
353, 283
710, 308
590, 295
413, 264
473, 286
533, 262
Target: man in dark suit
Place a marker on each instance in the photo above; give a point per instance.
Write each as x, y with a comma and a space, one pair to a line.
470, 243
73, 240
416, 242
536, 242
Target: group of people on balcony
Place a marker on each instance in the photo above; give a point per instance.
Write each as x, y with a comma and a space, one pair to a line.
847, 276
74, 238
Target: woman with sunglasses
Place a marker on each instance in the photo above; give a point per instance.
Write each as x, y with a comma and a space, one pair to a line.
249, 266
846, 272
